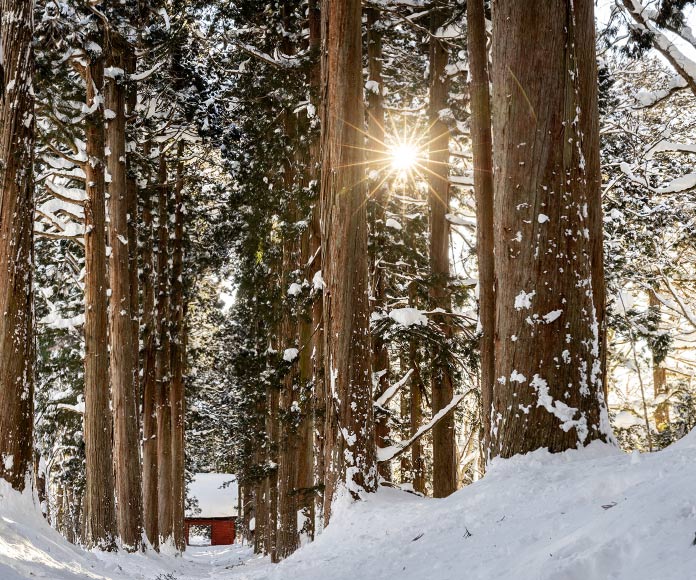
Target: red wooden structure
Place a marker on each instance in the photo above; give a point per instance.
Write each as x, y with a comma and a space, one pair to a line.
222, 529
214, 498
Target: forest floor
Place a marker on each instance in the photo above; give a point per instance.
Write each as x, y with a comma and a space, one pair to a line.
592, 514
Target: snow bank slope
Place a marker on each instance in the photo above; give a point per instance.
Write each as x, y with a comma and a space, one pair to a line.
30, 549
593, 514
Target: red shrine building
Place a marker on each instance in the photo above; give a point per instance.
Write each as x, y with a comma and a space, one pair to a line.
212, 517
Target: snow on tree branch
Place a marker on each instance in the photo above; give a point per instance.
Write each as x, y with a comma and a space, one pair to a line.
643, 21
389, 453
388, 395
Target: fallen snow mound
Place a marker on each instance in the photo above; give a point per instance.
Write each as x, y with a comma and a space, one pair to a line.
592, 514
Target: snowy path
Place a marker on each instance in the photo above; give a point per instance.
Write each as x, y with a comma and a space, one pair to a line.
31, 549
218, 563
594, 514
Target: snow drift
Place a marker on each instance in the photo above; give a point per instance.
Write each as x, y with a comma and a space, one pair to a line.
591, 514
30, 549
595, 513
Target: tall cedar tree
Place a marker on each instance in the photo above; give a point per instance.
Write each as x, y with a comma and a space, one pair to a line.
549, 352
125, 408
178, 355
444, 444
149, 361
349, 435
287, 538
375, 131
16, 247
315, 263
162, 368
100, 518
481, 145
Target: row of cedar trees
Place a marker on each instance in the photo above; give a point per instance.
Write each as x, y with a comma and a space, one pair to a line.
538, 231
542, 375
332, 441
129, 490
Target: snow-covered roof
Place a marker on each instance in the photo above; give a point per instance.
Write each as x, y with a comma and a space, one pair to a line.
216, 494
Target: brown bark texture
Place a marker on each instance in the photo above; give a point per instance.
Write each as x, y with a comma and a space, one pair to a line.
260, 508
271, 420
132, 217
178, 357
122, 365
100, 516
165, 500
149, 357
271, 482
314, 267
549, 361
481, 145
375, 131
16, 244
444, 443
349, 435
304, 479
288, 538
317, 345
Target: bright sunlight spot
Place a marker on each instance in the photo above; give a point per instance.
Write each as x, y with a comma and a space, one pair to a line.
404, 156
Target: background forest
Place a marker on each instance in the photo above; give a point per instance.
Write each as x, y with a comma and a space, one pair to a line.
177, 162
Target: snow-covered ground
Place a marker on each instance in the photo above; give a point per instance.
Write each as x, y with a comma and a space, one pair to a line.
582, 515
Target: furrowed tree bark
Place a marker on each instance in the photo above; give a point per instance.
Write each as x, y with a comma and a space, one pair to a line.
444, 444
412, 361
100, 516
271, 483
350, 445
165, 500
417, 388
16, 242
288, 538
260, 505
178, 354
304, 483
405, 467
481, 142
260, 458
122, 365
316, 25
305, 480
132, 209
320, 393
149, 382
375, 131
549, 360
247, 493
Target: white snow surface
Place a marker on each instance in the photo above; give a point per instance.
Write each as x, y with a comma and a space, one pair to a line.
393, 224
290, 354
408, 317
216, 494
626, 420
591, 514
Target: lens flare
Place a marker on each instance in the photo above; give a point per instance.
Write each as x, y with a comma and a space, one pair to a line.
403, 156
